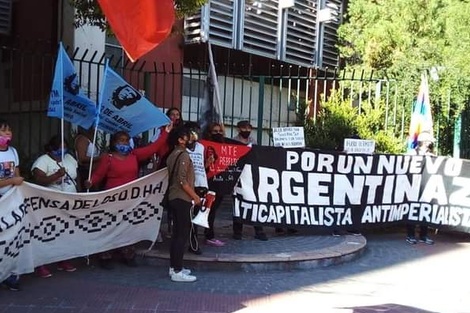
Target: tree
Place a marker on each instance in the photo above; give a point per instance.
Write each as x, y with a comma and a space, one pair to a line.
88, 12
401, 39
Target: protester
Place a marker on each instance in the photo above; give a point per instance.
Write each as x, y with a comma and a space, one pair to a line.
244, 136
87, 154
159, 161
182, 197
52, 171
201, 163
174, 114
214, 132
425, 147
244, 133
120, 167
9, 177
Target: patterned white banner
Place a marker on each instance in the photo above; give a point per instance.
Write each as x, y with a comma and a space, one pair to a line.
40, 226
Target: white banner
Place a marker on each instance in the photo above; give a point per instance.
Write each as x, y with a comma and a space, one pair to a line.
41, 226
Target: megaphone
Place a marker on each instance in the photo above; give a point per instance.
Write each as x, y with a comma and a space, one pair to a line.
202, 217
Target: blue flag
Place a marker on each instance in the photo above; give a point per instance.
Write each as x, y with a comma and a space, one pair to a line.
123, 108
67, 101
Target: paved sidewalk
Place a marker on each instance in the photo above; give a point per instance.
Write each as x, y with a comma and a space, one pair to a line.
390, 276
282, 251
386, 275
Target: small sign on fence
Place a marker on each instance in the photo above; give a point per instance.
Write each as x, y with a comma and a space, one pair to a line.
289, 137
359, 146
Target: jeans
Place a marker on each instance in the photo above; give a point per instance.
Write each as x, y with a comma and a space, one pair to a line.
181, 211
423, 231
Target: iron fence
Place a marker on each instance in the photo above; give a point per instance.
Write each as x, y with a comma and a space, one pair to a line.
271, 100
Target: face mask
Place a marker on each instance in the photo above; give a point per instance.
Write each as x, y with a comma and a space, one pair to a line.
191, 145
5, 140
58, 153
123, 149
245, 134
218, 137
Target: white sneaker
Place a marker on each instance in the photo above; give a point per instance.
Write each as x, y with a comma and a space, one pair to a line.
182, 277
186, 271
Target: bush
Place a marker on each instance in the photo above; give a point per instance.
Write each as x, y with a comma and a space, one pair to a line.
338, 119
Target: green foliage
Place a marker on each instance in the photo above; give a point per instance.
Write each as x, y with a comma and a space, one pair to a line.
401, 39
88, 12
338, 119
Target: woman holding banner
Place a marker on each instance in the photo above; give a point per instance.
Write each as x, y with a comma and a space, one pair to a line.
56, 169
9, 177
214, 132
121, 166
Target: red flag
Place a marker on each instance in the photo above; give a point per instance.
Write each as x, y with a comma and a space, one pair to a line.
140, 25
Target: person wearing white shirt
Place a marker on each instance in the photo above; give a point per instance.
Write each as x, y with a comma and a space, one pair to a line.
56, 169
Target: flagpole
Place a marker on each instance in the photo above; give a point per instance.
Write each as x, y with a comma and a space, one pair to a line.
97, 119
216, 83
62, 131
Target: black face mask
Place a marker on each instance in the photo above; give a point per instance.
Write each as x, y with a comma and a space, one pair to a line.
191, 145
245, 134
218, 137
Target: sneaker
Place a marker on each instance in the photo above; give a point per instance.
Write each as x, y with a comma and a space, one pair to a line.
12, 283
66, 266
261, 236
426, 240
215, 242
43, 272
182, 277
411, 240
185, 271
237, 236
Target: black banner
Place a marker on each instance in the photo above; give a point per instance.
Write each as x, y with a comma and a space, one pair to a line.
310, 188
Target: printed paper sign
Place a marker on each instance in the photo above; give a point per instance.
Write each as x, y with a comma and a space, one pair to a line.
289, 137
359, 146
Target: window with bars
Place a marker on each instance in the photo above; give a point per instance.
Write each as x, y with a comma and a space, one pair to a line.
5, 17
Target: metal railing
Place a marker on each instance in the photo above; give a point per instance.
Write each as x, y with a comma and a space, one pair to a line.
271, 100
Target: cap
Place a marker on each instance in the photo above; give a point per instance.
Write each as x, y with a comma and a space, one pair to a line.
425, 136
242, 124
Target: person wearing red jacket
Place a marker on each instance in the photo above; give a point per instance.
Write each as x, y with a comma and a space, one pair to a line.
121, 166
